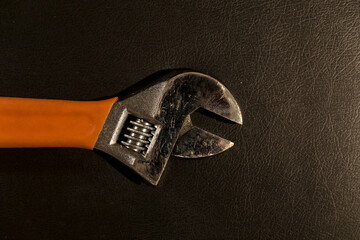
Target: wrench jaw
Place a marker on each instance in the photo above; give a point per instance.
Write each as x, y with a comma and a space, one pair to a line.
198, 143
166, 106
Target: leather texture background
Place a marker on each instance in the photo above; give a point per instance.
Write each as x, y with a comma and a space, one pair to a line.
293, 66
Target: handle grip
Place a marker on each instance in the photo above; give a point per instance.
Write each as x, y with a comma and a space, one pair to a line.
51, 123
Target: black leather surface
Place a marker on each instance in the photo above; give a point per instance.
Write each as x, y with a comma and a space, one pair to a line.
294, 172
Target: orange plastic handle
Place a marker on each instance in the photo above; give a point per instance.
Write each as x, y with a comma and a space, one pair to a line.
51, 123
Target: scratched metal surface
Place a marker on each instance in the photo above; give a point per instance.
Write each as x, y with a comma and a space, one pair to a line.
294, 172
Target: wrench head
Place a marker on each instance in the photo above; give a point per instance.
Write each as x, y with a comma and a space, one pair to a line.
159, 116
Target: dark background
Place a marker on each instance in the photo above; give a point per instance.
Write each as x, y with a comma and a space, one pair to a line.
293, 66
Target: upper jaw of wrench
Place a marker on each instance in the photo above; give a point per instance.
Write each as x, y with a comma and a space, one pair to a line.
164, 126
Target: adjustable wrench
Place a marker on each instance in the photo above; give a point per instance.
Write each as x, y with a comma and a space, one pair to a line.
141, 131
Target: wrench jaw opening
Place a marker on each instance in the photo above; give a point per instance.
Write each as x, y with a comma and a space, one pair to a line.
162, 115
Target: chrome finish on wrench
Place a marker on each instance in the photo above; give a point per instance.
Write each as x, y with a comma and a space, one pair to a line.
143, 130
